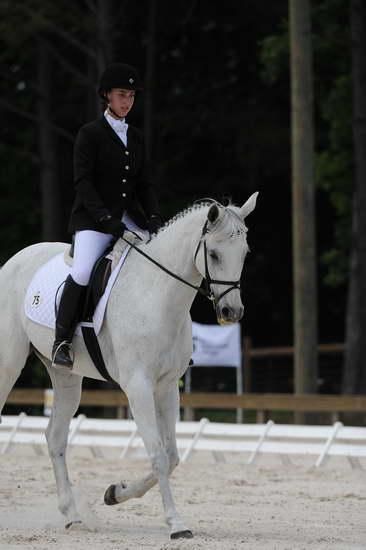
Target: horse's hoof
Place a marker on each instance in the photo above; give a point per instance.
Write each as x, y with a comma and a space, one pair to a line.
186, 534
71, 523
109, 496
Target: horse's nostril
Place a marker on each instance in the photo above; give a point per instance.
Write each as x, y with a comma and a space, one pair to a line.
225, 311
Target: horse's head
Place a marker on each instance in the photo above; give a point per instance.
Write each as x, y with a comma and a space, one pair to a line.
220, 257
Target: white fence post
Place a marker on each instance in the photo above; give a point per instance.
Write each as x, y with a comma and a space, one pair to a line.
13, 432
323, 455
129, 443
203, 422
254, 454
319, 441
80, 419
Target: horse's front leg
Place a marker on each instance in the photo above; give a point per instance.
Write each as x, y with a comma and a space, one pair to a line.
167, 406
141, 398
67, 392
167, 410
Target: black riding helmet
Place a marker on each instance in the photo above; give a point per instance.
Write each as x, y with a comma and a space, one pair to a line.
119, 75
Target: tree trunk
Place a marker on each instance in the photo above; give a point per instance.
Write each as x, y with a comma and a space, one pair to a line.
51, 205
104, 53
303, 201
354, 376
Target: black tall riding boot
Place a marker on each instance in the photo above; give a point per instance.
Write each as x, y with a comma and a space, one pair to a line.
66, 321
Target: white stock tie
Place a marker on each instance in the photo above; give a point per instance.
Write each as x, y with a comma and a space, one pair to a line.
120, 127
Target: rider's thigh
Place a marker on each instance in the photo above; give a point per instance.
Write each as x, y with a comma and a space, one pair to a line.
89, 246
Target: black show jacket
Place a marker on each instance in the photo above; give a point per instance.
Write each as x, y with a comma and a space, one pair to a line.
110, 178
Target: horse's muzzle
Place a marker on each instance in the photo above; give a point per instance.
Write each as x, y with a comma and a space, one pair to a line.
228, 316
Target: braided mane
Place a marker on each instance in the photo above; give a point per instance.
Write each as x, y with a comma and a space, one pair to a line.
231, 224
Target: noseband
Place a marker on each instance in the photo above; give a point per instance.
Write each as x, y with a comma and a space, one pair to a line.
206, 291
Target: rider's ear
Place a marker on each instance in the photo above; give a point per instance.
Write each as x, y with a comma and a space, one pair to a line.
248, 206
213, 213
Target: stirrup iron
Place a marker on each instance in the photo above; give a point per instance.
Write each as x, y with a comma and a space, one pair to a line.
69, 351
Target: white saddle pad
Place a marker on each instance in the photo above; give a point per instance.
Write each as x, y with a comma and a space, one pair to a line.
39, 301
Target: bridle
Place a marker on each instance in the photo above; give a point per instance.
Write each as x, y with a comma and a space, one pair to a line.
206, 291
208, 281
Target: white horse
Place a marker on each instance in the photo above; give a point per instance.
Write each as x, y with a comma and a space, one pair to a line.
146, 338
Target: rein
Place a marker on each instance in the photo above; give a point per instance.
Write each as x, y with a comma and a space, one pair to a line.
207, 291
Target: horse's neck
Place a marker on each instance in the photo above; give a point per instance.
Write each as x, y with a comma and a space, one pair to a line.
174, 248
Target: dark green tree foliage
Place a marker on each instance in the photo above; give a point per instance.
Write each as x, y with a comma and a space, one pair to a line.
303, 201
334, 169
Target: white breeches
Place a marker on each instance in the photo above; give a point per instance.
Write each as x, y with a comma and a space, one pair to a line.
89, 246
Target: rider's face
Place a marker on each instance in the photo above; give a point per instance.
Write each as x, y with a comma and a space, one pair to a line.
121, 101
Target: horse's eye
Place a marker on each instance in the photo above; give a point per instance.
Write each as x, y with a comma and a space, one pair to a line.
213, 255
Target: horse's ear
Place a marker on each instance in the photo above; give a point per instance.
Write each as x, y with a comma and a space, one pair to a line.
213, 213
248, 206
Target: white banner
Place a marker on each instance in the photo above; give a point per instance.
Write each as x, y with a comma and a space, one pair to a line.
215, 345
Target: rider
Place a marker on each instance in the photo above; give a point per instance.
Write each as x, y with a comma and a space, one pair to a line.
113, 193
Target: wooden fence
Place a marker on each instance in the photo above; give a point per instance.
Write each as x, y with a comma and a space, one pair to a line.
261, 403
252, 354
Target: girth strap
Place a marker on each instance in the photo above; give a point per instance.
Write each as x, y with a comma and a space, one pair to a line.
92, 345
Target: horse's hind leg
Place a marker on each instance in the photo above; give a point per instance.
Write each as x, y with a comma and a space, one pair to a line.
8, 377
67, 392
13, 356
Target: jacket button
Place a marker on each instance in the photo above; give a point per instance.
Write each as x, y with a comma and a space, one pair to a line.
127, 152
124, 181
127, 167
124, 195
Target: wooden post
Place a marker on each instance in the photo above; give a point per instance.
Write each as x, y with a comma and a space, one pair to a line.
354, 373
303, 201
247, 366
261, 416
188, 413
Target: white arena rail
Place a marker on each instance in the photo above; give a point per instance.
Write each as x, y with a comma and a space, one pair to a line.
251, 440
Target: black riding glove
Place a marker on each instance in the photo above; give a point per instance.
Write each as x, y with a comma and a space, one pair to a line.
155, 223
112, 225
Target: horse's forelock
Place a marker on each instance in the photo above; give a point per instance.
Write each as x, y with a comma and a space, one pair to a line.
230, 224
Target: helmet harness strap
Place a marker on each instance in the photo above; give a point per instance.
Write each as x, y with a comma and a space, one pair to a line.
114, 113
